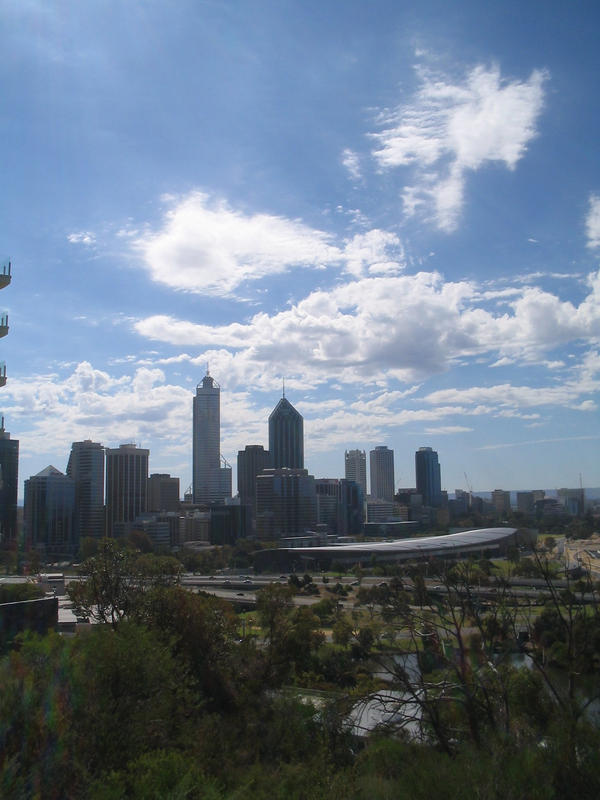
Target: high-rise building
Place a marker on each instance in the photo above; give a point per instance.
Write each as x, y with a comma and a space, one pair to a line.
86, 468
501, 501
351, 516
340, 506
250, 462
286, 503
381, 462
328, 500
286, 436
163, 492
48, 514
126, 486
428, 477
573, 500
525, 502
9, 478
211, 481
355, 463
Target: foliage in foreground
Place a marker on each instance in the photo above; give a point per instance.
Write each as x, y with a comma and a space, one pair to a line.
166, 701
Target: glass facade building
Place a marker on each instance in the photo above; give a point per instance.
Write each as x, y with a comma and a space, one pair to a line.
86, 468
428, 477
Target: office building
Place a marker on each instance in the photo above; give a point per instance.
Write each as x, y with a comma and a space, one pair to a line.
328, 500
163, 492
250, 462
286, 503
381, 462
351, 514
428, 477
49, 513
126, 487
525, 502
573, 500
340, 506
9, 480
286, 436
86, 468
228, 523
501, 501
211, 475
355, 468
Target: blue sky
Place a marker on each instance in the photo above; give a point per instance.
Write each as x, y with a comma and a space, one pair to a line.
397, 208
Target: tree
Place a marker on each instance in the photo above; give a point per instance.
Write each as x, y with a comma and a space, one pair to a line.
115, 583
459, 682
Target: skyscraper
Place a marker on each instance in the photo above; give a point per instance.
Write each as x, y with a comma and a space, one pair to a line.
211, 481
355, 462
501, 501
48, 514
86, 468
126, 486
250, 462
286, 436
428, 477
382, 473
9, 474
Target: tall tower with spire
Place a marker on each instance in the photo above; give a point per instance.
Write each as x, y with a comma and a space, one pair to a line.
286, 435
211, 475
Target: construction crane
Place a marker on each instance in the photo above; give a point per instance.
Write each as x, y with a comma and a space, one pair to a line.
469, 487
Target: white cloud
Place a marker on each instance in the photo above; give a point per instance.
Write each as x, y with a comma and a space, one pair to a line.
450, 129
502, 445
403, 327
370, 252
592, 222
444, 430
351, 161
209, 247
82, 237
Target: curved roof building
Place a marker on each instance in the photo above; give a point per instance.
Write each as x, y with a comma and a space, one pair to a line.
454, 545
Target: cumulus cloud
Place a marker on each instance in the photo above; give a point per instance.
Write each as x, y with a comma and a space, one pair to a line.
403, 327
207, 246
371, 252
452, 128
592, 222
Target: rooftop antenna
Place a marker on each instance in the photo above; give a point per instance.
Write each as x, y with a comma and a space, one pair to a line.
207, 372
283, 387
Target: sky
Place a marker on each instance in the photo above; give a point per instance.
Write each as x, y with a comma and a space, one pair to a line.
395, 207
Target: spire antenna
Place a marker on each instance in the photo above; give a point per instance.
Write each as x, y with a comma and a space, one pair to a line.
283, 387
207, 371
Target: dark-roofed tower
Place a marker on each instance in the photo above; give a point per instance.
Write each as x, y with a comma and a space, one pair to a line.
286, 436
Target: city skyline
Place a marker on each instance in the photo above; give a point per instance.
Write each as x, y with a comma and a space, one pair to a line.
396, 209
